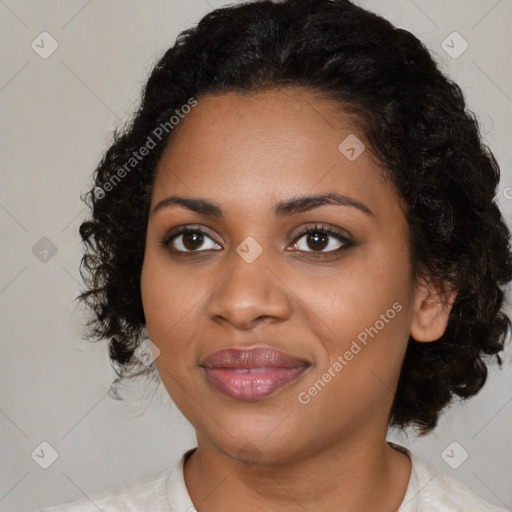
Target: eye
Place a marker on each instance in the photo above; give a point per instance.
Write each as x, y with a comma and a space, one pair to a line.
194, 240
188, 240
318, 239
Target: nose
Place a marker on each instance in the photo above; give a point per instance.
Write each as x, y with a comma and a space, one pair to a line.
250, 293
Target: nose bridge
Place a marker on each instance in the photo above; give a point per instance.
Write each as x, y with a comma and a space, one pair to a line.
249, 289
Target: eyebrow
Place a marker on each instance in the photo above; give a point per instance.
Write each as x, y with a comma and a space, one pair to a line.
290, 206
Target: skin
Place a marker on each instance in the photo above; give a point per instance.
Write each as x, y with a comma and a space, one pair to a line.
246, 153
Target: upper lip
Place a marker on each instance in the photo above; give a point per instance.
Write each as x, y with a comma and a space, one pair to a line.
261, 357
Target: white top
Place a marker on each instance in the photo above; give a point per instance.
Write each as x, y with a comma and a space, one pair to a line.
429, 490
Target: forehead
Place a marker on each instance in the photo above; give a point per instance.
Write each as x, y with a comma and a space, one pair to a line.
268, 146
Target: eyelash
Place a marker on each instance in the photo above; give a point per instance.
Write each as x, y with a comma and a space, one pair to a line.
318, 228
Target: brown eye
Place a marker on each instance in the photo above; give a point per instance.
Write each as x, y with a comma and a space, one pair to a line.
191, 241
317, 239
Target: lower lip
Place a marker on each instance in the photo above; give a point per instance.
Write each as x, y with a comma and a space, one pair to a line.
252, 386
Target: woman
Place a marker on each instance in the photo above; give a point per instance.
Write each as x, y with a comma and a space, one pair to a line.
301, 219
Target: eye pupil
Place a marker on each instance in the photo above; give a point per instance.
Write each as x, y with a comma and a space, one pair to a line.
196, 237
316, 237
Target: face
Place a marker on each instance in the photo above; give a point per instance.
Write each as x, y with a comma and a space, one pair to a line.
328, 283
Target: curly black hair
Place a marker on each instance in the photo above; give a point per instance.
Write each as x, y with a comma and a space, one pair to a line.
414, 121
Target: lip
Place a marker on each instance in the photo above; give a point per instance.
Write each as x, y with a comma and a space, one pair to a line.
253, 374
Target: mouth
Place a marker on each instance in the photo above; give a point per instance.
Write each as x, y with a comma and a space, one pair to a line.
250, 375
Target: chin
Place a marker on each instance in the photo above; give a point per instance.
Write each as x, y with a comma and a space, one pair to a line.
256, 447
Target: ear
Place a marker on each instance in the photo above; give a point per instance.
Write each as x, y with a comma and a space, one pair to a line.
431, 312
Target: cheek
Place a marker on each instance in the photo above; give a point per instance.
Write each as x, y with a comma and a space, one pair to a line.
168, 294
168, 304
161, 309
362, 288
360, 365
361, 315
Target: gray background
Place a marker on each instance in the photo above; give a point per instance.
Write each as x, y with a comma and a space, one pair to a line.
57, 117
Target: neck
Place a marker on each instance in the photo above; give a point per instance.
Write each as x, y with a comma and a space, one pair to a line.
351, 475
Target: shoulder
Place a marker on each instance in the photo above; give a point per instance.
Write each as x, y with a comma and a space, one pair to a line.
441, 492
148, 493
